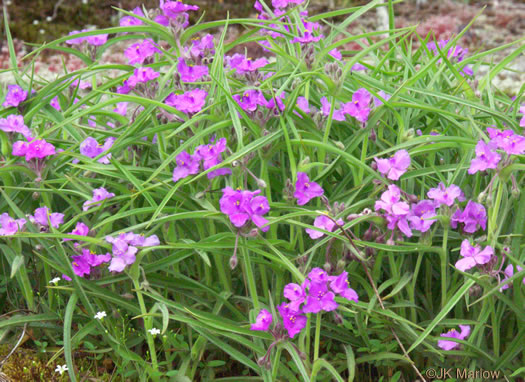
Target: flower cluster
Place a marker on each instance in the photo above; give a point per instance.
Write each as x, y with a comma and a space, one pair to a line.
44, 217
486, 155
33, 149
190, 102
124, 248
243, 206
316, 294
456, 53
210, 155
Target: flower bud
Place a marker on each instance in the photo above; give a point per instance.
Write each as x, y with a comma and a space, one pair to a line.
261, 183
338, 318
474, 291
36, 195
327, 267
481, 197
340, 267
412, 198
233, 262
340, 145
373, 166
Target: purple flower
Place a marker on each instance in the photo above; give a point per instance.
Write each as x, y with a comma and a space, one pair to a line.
318, 275
396, 210
293, 321
509, 272
80, 229
128, 21
141, 75
422, 215
82, 264
201, 48
99, 194
319, 298
276, 100
42, 214
172, 8
55, 104
15, 124
78, 40
250, 100
296, 294
191, 73
507, 140
263, 321
473, 216
186, 165
323, 222
122, 108
446, 195
190, 102
245, 65
485, 158
339, 284
305, 190
522, 111
242, 206
359, 107
394, 167
473, 256
90, 148
9, 225
211, 155
449, 345
97, 40
338, 114
302, 103
15, 95
306, 38
124, 248
335, 53
383, 95
36, 148
285, 3
141, 51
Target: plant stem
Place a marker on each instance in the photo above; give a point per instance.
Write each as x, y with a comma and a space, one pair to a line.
317, 335
444, 262
147, 325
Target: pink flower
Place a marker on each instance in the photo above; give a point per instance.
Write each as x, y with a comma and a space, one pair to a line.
190, 102
9, 225
191, 73
359, 107
337, 115
128, 21
99, 194
243, 64
394, 167
485, 158
42, 214
15, 96
446, 195
186, 165
141, 51
306, 190
15, 124
509, 272
473, 256
449, 345
263, 321
335, 53
37, 148
323, 222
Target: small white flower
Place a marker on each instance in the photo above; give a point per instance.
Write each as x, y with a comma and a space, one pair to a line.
36, 22
61, 369
84, 1
100, 315
42, 31
49, 18
154, 331
55, 280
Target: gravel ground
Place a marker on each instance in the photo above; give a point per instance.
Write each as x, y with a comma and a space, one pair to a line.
498, 24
